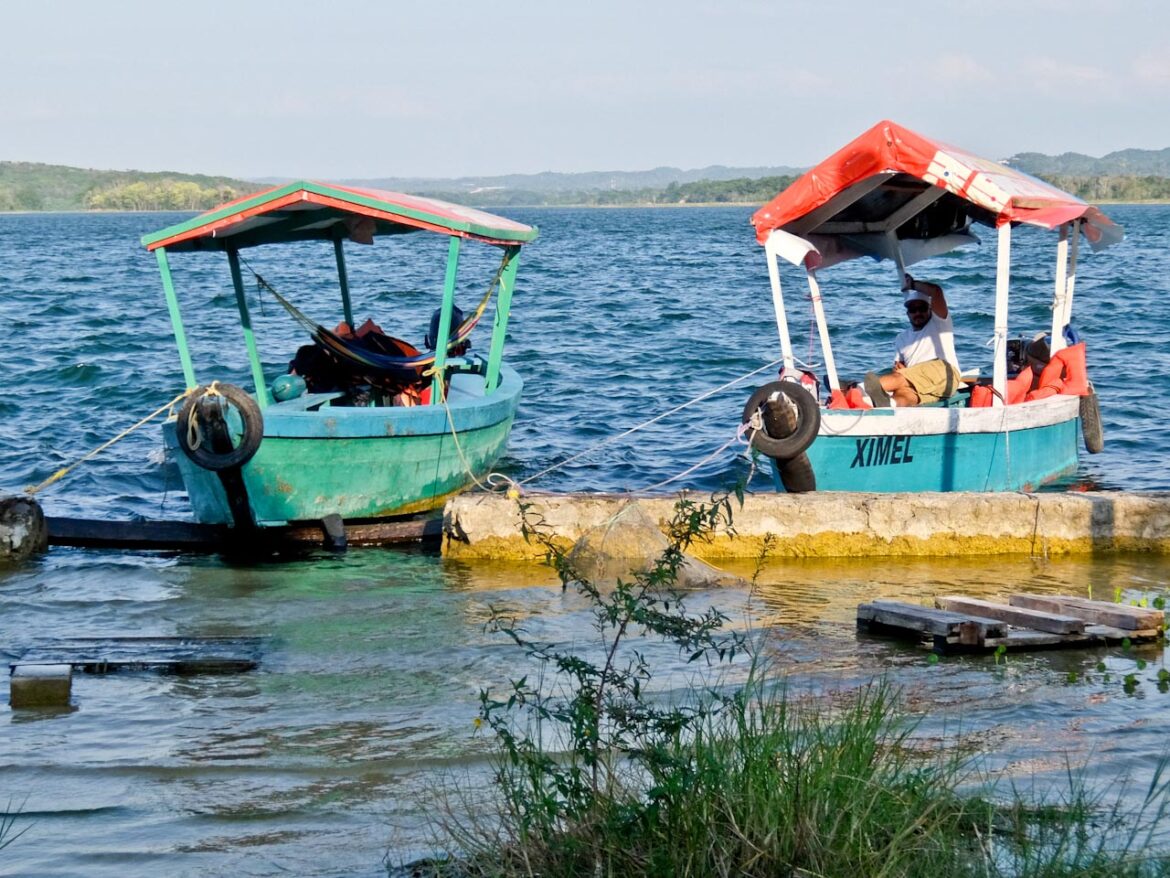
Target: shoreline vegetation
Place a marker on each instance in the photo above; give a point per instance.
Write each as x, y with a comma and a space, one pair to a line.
33, 188
601, 768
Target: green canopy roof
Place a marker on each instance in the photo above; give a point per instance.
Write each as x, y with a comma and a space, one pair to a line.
320, 211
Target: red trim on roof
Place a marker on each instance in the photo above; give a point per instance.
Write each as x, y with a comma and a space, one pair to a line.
889, 148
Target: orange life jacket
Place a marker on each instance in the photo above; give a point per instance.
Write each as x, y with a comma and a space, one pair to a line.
1065, 373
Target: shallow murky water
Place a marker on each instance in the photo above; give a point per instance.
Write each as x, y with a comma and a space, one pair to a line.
331, 752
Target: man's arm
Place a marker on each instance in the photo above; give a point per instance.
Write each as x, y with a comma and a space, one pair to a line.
938, 301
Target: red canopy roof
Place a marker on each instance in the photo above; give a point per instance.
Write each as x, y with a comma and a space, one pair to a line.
880, 181
303, 211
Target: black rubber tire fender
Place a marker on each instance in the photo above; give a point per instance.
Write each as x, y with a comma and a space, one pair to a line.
250, 416
808, 421
1091, 428
796, 475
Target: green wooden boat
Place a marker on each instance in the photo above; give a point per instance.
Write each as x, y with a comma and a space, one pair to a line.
366, 426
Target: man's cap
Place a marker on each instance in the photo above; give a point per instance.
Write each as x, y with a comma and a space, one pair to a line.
916, 296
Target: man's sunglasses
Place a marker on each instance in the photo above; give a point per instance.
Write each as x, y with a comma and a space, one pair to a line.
917, 308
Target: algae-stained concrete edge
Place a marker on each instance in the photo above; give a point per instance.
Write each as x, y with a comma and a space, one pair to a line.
488, 526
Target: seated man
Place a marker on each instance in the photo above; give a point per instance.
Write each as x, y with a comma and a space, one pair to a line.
925, 366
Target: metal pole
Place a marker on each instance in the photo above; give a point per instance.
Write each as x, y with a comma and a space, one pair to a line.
500, 326
1061, 292
1003, 271
443, 335
246, 324
343, 279
164, 269
778, 305
1072, 274
823, 330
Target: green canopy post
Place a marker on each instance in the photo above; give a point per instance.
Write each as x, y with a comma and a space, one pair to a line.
442, 337
500, 327
164, 269
343, 279
246, 323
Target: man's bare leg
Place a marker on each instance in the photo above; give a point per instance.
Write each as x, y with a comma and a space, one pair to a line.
903, 392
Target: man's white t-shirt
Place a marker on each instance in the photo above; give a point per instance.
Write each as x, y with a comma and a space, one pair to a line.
935, 341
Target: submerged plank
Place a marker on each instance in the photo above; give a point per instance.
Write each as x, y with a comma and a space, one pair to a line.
192, 537
1019, 617
1093, 612
179, 655
93, 533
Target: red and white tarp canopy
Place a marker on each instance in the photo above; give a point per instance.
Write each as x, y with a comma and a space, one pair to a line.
875, 185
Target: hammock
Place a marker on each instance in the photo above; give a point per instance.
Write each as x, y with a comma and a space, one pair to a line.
361, 355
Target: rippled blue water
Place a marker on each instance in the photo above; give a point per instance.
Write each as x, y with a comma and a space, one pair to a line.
620, 315
319, 761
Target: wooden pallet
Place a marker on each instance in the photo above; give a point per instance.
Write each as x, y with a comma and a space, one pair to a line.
1026, 621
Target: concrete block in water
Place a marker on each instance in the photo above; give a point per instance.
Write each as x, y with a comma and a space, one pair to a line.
23, 531
41, 686
837, 524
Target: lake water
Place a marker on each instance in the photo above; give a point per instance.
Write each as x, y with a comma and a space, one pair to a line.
327, 756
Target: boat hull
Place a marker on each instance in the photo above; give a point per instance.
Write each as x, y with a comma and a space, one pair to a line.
362, 462
1013, 448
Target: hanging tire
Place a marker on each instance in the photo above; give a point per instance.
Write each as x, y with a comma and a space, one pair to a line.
803, 432
1091, 428
209, 444
796, 475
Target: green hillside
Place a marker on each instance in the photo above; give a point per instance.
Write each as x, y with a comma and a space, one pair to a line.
31, 186
1126, 176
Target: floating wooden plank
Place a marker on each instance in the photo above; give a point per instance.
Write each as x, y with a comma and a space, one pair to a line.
192, 537
1093, 612
1116, 635
1018, 617
177, 655
962, 628
93, 533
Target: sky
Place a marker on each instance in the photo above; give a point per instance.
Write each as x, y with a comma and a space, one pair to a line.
363, 89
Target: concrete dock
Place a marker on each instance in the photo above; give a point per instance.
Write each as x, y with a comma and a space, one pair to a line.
830, 524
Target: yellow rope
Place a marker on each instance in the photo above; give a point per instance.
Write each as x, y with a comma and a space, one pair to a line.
61, 473
454, 434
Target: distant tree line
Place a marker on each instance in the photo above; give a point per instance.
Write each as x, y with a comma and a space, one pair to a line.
160, 195
1114, 187
739, 191
30, 187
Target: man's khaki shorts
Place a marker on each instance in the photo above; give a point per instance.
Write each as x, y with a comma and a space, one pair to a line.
932, 380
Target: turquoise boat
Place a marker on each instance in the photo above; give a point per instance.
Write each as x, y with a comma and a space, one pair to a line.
365, 426
892, 194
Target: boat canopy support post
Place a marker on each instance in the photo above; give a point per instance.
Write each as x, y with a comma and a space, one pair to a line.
500, 325
246, 324
1070, 286
343, 280
899, 259
164, 269
814, 289
771, 251
1003, 271
1061, 291
444, 333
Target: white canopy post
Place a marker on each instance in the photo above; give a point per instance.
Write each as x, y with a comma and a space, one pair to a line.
1061, 290
1072, 275
1003, 270
772, 251
823, 330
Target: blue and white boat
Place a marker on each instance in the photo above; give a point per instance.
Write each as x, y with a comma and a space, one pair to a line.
894, 194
